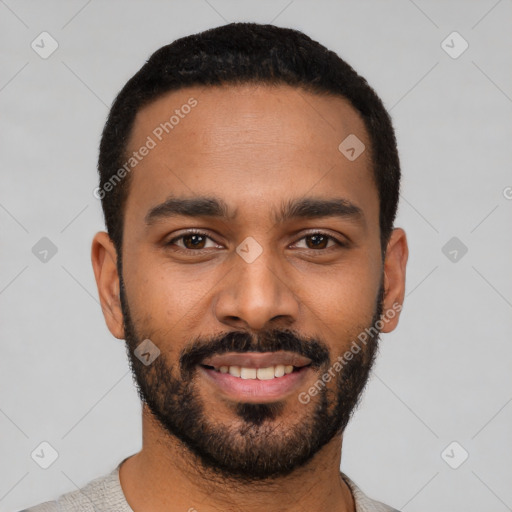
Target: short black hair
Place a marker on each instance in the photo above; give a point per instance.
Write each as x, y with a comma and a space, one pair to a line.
238, 54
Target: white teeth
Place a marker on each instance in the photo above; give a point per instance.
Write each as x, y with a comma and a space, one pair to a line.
235, 371
248, 373
267, 373
279, 370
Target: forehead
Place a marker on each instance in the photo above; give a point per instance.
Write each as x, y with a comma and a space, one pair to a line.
249, 143
224, 116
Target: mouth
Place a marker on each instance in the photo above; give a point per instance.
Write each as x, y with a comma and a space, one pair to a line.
256, 377
248, 373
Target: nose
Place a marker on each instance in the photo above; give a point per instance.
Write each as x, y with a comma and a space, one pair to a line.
256, 296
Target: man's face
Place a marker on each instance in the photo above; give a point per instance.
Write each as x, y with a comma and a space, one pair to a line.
288, 275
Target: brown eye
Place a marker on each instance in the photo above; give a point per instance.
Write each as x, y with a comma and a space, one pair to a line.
194, 241
317, 241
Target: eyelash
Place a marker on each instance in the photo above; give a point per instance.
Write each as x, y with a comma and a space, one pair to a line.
339, 243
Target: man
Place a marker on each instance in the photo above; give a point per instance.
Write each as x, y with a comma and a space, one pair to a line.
249, 179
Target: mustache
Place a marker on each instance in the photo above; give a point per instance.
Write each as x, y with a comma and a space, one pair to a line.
269, 341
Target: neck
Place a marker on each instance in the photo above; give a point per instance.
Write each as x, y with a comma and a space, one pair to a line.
164, 476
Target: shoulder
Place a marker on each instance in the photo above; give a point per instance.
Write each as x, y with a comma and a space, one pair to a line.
49, 506
363, 502
102, 493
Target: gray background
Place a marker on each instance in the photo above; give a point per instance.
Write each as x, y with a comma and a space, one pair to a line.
442, 376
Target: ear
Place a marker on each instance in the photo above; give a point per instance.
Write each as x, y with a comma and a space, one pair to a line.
104, 263
395, 262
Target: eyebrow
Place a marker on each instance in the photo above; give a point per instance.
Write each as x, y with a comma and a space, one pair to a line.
305, 208
313, 208
189, 207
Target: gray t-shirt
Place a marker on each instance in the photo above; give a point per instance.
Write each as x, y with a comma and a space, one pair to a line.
104, 494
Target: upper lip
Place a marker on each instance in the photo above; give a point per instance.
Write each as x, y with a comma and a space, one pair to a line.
256, 359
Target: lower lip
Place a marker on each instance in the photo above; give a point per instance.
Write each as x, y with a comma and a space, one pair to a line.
255, 390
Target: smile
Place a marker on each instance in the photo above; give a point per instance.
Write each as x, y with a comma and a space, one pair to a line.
268, 373
256, 377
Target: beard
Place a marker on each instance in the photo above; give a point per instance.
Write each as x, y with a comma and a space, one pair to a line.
259, 443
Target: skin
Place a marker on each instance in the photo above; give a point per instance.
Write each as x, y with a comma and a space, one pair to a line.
253, 147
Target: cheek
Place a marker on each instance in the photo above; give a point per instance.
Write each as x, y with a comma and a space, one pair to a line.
165, 295
343, 303
349, 289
